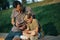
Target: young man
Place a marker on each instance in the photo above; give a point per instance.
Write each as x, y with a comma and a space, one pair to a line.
16, 18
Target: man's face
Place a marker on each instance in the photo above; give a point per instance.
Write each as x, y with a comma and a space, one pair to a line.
18, 7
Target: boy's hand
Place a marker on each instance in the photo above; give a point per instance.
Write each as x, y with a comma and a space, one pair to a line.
33, 33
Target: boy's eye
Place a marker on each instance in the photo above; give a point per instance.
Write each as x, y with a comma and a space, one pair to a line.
27, 20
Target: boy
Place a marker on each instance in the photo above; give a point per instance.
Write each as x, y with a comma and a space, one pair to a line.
32, 27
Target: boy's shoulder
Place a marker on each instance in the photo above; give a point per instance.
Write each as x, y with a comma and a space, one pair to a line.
34, 20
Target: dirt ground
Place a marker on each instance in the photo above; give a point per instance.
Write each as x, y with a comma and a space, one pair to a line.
1, 38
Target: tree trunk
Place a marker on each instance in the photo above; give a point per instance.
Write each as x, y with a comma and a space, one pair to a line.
23, 1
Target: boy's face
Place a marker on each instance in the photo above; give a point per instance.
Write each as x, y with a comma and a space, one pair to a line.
29, 20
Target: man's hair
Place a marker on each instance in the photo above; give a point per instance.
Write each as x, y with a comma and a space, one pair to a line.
15, 3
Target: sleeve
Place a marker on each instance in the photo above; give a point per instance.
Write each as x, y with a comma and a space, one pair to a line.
35, 22
13, 14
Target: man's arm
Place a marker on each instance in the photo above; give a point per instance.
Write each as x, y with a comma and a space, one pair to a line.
12, 21
12, 17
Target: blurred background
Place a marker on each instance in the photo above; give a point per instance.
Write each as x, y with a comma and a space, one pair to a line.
47, 13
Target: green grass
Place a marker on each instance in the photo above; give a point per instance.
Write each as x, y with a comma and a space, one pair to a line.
5, 24
48, 13
44, 14
46, 2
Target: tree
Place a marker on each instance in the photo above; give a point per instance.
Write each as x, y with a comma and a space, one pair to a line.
23, 1
4, 4
33, 1
48, 0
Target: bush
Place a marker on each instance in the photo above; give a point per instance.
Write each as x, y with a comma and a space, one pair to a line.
50, 29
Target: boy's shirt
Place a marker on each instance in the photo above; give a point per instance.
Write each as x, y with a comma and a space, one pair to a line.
33, 25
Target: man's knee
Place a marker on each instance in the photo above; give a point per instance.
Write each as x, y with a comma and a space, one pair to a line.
16, 38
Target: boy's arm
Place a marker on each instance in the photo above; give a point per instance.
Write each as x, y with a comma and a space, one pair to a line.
35, 31
36, 25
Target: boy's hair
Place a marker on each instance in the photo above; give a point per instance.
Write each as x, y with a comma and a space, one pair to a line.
29, 16
15, 3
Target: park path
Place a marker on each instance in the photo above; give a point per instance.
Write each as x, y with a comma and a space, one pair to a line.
51, 38
3, 35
